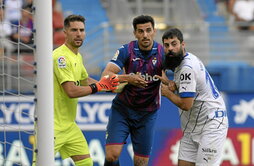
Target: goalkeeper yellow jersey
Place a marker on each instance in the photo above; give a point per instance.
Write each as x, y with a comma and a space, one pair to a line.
68, 66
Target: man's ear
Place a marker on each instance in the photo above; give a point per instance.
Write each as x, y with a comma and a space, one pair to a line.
155, 30
134, 33
183, 44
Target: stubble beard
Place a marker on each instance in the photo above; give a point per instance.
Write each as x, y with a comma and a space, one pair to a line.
146, 45
77, 45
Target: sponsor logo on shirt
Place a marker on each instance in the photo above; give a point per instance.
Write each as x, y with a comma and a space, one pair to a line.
185, 88
147, 77
61, 62
209, 150
154, 61
135, 59
185, 76
115, 56
185, 79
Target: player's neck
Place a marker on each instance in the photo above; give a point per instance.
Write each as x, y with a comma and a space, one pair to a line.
73, 49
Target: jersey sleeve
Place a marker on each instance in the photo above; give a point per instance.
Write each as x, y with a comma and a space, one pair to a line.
120, 56
62, 69
84, 73
187, 85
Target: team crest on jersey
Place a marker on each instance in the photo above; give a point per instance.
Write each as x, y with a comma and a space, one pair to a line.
154, 61
61, 62
116, 55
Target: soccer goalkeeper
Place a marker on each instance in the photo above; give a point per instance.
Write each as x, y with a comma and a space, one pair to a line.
71, 81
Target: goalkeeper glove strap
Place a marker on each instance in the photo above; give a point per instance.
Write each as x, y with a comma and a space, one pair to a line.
94, 88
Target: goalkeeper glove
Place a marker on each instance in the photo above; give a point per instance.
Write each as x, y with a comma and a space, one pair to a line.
105, 84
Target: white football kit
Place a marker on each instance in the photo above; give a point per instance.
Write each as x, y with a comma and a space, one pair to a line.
205, 125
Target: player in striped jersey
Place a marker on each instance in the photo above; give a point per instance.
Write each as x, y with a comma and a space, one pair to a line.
134, 110
202, 109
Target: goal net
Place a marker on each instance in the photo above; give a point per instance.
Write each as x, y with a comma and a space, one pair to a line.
23, 72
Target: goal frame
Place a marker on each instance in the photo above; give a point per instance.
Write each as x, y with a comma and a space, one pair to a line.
44, 110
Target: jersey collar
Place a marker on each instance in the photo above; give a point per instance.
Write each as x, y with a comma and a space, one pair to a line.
153, 51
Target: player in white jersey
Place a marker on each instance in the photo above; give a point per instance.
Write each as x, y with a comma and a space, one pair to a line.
202, 109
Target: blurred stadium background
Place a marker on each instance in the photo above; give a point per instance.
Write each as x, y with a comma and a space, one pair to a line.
211, 32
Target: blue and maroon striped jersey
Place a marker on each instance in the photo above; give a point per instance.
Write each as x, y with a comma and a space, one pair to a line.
130, 58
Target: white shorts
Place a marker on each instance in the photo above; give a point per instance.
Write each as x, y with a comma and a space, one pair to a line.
204, 149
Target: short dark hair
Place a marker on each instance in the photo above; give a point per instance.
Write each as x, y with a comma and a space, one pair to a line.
72, 18
171, 33
142, 19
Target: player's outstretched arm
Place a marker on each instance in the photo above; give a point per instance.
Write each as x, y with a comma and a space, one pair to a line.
164, 79
124, 79
112, 69
107, 83
183, 103
88, 81
137, 80
171, 84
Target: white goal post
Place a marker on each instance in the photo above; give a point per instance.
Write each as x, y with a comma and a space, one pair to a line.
44, 80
